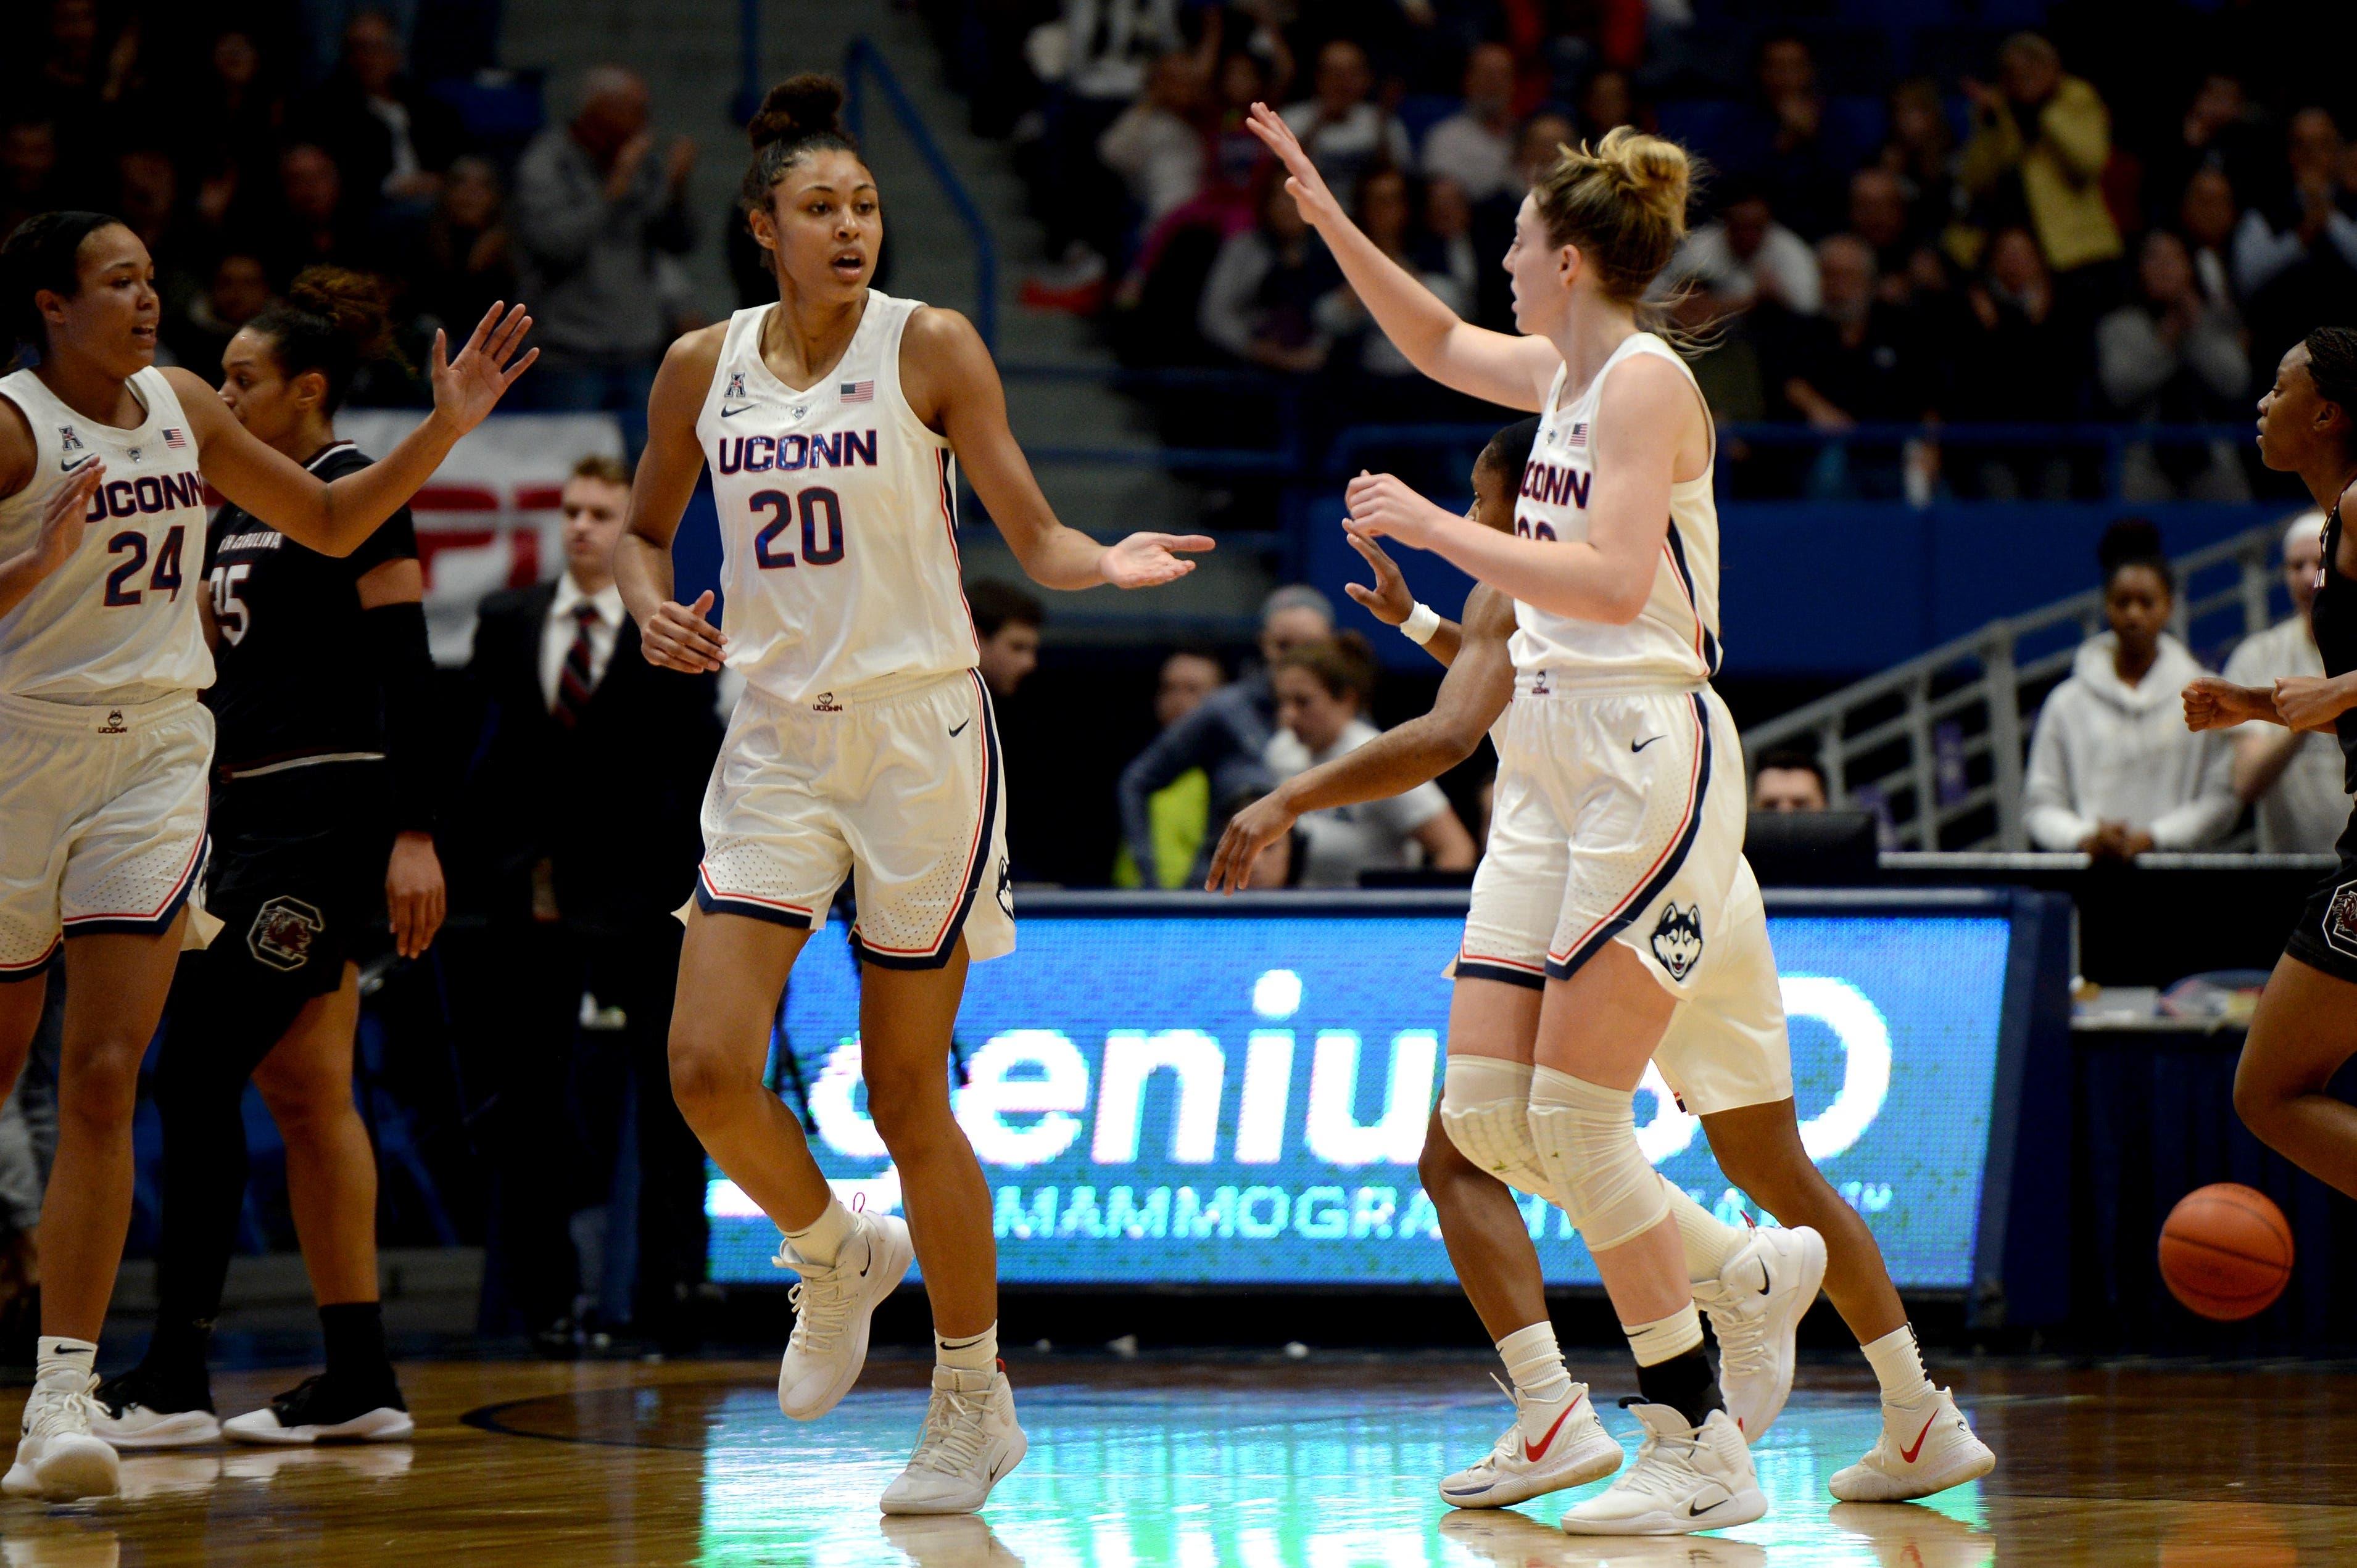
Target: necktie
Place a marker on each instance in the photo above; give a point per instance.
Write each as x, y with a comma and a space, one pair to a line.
574, 683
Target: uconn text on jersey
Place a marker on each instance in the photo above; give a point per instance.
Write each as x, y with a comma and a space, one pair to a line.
784, 454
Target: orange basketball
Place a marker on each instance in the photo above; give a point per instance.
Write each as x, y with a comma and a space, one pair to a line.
2226, 1251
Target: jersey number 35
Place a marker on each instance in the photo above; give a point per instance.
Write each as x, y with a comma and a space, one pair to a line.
819, 512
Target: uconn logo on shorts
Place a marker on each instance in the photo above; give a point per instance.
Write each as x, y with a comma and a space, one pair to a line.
147, 494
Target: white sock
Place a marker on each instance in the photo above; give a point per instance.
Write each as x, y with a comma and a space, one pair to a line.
1709, 1242
1534, 1362
1898, 1363
70, 1360
1664, 1337
821, 1241
978, 1353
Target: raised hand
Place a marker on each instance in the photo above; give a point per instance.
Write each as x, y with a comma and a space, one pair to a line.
468, 387
679, 638
1383, 506
1249, 832
1147, 560
1308, 188
1388, 601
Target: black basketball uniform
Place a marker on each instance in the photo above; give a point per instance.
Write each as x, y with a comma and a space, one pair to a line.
2326, 936
304, 805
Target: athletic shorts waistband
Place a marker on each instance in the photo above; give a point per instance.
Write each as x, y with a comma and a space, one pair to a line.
1575, 684
93, 718
883, 693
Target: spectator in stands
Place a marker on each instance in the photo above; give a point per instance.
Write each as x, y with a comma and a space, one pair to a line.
29, 171
1100, 51
2020, 359
1475, 146
2295, 253
1789, 778
1345, 133
1006, 622
1922, 151
147, 200
464, 258
2220, 132
1781, 142
1444, 245
1386, 383
2170, 357
1321, 689
2040, 142
1260, 299
1179, 813
1606, 103
312, 227
1156, 145
579, 731
238, 289
1226, 736
1746, 256
80, 84
597, 202
1859, 360
2112, 769
2206, 218
392, 139
2292, 778
1877, 214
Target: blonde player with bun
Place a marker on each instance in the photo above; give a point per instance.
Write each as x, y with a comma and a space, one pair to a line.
833, 422
1614, 911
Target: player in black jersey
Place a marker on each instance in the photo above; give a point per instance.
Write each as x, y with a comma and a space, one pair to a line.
321, 818
2305, 1025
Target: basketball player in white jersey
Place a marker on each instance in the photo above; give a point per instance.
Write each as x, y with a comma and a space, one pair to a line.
863, 746
1615, 873
103, 747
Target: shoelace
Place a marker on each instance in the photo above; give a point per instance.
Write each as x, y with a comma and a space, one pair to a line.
1659, 1462
1741, 1327
56, 1408
951, 1442
821, 1300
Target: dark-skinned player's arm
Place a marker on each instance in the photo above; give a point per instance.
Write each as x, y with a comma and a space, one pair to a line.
334, 516
953, 387
1390, 602
672, 636
1478, 686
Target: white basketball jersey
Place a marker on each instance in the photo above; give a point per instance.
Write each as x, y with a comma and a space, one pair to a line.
119, 622
838, 524
1674, 642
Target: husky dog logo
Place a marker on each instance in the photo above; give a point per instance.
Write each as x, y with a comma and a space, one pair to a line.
114, 725
826, 703
283, 932
2341, 919
1006, 886
1677, 938
1539, 687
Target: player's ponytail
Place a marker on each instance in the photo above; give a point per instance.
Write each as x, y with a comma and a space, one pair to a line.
1622, 202
801, 114
45, 252
332, 321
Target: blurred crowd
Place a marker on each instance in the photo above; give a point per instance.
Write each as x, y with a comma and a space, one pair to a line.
1911, 218
244, 142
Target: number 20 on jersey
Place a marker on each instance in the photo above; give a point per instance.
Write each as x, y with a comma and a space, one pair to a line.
817, 510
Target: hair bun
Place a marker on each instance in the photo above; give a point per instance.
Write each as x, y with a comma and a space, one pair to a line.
2130, 540
1653, 170
805, 105
355, 303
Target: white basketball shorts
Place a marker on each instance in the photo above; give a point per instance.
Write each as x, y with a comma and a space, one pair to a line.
101, 819
904, 793
1620, 817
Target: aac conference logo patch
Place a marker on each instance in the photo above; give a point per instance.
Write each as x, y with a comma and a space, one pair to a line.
283, 932
1677, 939
2341, 919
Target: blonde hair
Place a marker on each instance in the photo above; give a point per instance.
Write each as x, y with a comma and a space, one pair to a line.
1622, 202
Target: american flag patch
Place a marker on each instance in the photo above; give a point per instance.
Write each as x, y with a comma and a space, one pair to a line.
174, 440
1578, 437
858, 391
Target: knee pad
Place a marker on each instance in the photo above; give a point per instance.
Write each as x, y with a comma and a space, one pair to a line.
1585, 1136
1485, 1110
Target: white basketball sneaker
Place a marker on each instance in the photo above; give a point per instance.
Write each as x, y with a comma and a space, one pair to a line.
832, 1306
135, 1412
1925, 1447
56, 1458
1755, 1306
1685, 1478
970, 1441
1545, 1448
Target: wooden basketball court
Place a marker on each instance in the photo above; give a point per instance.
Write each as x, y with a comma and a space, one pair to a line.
1262, 1463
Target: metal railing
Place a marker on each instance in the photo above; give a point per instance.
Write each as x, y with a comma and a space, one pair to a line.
864, 65
1937, 744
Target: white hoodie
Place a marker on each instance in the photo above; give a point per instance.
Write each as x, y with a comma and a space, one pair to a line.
2106, 751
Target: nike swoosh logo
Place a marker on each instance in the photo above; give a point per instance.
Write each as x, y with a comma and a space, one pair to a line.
1695, 1510
65, 467
1642, 744
1533, 1455
960, 729
733, 413
1906, 1455
1766, 1284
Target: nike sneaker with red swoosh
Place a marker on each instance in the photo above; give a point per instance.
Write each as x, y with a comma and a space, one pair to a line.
1549, 1446
1687, 1478
1925, 1447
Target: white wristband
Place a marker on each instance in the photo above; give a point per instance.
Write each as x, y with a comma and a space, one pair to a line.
1421, 623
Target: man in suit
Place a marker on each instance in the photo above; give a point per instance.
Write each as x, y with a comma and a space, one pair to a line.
589, 768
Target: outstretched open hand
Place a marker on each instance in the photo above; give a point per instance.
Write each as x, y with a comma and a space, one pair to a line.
1148, 560
468, 388
1308, 188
